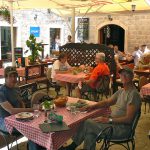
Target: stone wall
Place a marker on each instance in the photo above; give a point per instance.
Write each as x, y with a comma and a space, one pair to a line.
45, 20
137, 26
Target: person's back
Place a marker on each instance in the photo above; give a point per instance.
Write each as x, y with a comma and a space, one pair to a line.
101, 69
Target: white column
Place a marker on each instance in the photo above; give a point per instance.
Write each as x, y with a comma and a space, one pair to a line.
73, 25
12, 34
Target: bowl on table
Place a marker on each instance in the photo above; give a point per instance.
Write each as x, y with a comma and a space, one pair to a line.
61, 101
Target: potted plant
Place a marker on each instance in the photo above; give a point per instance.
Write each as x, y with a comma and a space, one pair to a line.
35, 48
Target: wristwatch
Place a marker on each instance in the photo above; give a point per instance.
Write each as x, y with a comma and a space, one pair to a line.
110, 120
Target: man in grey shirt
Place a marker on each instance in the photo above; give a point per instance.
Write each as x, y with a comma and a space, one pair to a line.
128, 103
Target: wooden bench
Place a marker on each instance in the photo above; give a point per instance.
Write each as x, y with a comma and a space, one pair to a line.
36, 74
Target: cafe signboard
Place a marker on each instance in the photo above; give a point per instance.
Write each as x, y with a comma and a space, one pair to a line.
35, 31
83, 29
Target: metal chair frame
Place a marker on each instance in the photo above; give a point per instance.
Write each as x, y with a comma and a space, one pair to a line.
104, 135
129, 139
5, 135
96, 93
108, 141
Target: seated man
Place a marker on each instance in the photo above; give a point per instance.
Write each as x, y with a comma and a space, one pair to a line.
100, 70
144, 62
11, 101
120, 54
128, 104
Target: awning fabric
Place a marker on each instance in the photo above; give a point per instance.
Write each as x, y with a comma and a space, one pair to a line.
81, 6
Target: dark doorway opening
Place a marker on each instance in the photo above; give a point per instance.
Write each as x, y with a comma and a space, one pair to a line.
55, 38
112, 34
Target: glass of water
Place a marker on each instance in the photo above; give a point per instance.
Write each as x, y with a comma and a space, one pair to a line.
73, 109
36, 110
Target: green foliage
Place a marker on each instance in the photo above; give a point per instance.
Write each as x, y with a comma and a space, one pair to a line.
35, 48
47, 104
5, 13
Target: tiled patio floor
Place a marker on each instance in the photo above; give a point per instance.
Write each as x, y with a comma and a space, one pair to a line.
141, 139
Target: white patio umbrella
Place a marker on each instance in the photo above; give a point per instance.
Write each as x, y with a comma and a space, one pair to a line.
75, 6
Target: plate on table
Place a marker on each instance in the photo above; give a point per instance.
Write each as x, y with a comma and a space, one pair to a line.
24, 116
79, 104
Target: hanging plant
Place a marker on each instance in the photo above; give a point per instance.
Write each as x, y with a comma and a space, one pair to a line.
5, 13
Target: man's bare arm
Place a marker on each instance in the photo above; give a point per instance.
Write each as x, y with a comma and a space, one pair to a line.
9, 108
58, 71
101, 104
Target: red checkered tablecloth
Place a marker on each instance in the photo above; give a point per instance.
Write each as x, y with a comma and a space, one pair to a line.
52, 141
21, 71
69, 77
145, 90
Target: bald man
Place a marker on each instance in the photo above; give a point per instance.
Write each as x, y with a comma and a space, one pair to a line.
100, 70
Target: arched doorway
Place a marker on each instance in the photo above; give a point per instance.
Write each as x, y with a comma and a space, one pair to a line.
112, 34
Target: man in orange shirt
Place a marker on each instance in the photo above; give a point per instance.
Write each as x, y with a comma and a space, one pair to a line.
100, 70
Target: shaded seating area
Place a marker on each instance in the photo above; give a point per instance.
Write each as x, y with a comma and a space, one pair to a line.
84, 54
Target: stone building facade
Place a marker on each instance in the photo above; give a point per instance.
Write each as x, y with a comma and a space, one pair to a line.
42, 18
135, 24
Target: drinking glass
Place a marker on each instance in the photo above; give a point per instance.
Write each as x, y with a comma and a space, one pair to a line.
73, 109
36, 110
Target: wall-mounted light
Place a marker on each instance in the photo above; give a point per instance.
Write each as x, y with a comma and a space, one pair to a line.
49, 11
110, 18
35, 17
133, 7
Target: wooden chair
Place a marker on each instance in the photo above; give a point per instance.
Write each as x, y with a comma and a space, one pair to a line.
104, 136
146, 99
37, 96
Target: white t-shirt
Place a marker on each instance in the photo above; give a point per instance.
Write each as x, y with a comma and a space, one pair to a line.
138, 54
59, 66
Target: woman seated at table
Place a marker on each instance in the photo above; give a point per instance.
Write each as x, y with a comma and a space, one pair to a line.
61, 66
144, 62
100, 70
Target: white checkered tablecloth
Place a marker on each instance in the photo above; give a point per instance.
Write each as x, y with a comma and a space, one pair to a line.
52, 141
145, 90
69, 77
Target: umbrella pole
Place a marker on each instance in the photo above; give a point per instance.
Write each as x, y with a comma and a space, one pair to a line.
73, 25
12, 34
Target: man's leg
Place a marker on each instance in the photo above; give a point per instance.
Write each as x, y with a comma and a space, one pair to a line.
78, 93
87, 132
34, 146
93, 129
84, 89
68, 88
